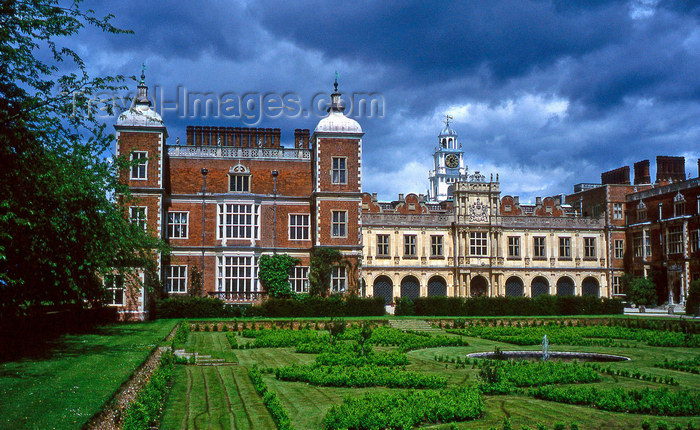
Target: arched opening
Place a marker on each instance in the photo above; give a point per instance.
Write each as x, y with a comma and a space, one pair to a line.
410, 287
514, 287
444, 142
539, 286
565, 286
383, 287
590, 287
437, 286
450, 191
478, 286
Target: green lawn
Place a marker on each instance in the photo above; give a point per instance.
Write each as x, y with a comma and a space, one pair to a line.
76, 375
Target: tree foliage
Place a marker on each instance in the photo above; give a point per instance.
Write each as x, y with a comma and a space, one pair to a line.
59, 228
321, 267
641, 291
273, 272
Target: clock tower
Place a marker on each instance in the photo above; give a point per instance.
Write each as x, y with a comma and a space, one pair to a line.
448, 164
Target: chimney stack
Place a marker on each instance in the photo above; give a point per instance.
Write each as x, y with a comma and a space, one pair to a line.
641, 172
671, 169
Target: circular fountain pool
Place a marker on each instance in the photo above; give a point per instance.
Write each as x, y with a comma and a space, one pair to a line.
537, 355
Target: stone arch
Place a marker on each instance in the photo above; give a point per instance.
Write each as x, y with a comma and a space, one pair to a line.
478, 286
514, 287
410, 287
437, 286
539, 286
383, 287
565, 286
590, 287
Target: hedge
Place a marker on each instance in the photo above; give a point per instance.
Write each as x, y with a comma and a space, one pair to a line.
315, 306
505, 306
196, 307
144, 411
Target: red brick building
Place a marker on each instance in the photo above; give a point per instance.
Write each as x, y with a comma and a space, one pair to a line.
231, 194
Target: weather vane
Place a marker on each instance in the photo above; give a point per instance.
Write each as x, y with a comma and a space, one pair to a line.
335, 84
447, 119
143, 73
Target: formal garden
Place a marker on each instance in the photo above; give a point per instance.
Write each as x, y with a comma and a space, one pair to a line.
366, 372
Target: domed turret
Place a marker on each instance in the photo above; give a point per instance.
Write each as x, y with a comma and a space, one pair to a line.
140, 113
336, 121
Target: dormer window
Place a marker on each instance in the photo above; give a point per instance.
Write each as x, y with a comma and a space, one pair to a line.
239, 179
678, 205
641, 211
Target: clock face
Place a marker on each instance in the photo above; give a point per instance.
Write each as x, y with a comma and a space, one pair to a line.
452, 161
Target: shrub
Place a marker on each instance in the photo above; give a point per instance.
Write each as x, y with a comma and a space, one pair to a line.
405, 410
195, 307
143, 412
692, 303
502, 306
316, 306
183, 331
270, 400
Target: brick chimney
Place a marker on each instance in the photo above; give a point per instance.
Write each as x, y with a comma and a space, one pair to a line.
671, 169
641, 172
621, 175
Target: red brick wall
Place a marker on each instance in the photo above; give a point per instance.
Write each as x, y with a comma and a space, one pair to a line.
294, 179
335, 147
141, 141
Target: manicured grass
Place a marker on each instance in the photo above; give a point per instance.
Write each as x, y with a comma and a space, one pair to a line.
213, 343
220, 397
307, 405
76, 375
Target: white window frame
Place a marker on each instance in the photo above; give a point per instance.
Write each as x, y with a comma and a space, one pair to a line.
478, 243
299, 231
299, 279
694, 241
638, 244
229, 225
617, 285
115, 282
339, 224
619, 248
539, 249
618, 211
565, 248
177, 275
139, 171
589, 247
239, 182
135, 217
647, 243
674, 240
339, 170
409, 245
177, 227
339, 280
437, 245
237, 273
513, 246
383, 246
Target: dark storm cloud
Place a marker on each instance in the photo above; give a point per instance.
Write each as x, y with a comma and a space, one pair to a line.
436, 40
550, 92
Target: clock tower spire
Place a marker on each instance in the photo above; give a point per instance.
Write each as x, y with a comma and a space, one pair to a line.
448, 164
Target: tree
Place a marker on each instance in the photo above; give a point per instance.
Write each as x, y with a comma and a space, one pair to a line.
641, 291
692, 302
273, 272
321, 267
60, 231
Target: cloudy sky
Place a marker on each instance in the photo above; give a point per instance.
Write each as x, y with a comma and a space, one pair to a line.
546, 93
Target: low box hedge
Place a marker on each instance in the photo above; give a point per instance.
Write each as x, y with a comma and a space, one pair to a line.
510, 306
